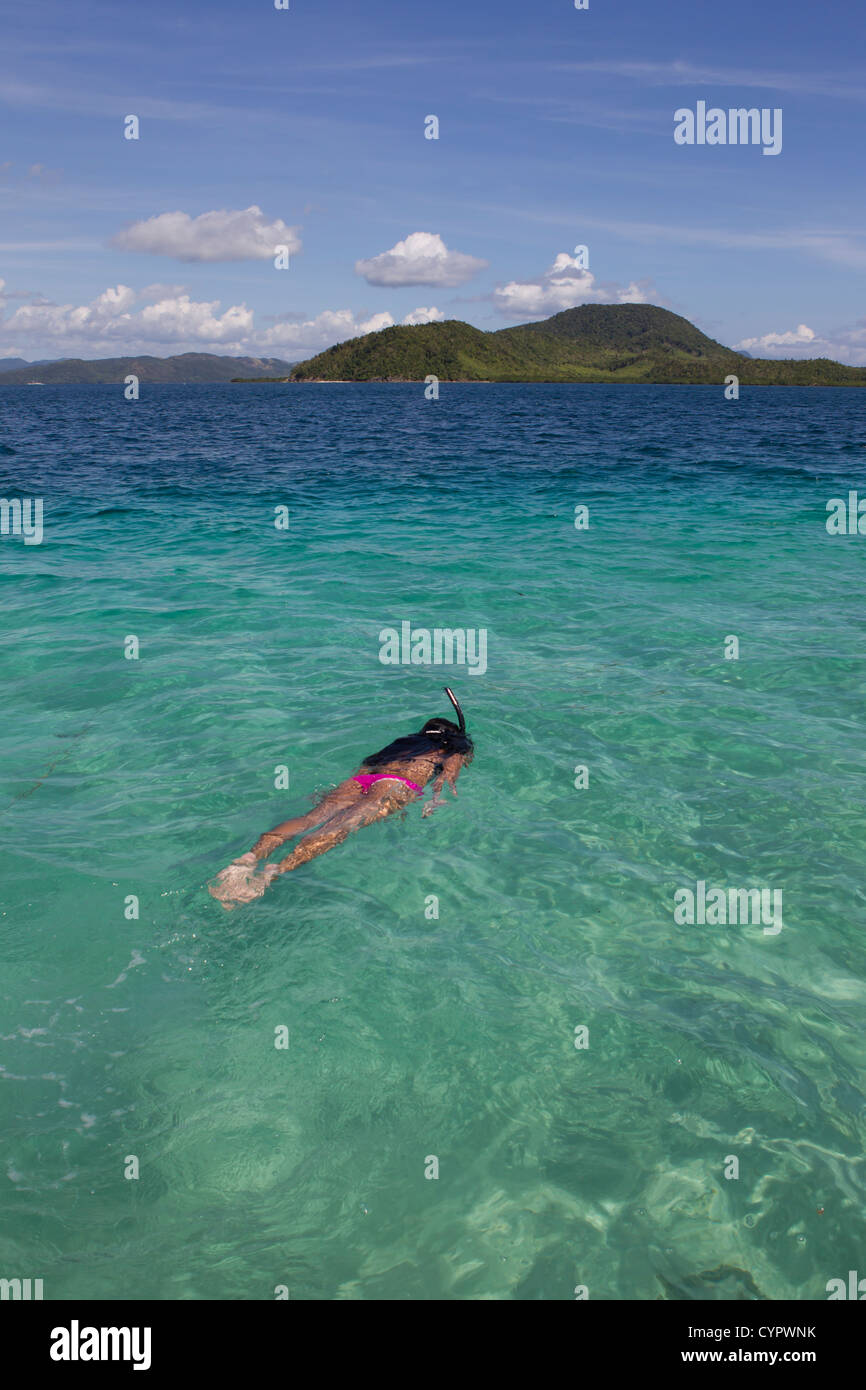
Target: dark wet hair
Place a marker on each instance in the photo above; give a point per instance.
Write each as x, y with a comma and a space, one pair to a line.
439, 737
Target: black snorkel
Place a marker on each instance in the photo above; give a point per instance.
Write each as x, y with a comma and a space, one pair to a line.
453, 698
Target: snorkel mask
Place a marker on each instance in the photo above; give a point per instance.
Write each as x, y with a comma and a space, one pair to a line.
443, 728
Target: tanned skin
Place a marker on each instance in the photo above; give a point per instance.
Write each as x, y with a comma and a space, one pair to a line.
337, 815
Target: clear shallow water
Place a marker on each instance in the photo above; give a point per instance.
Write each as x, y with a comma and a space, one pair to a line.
411, 1037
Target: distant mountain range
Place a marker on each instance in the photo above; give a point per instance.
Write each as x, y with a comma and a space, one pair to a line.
9, 364
595, 342
186, 369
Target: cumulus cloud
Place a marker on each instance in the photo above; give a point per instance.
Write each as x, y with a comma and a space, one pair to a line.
227, 235
112, 325
422, 259
802, 336
841, 344
314, 335
422, 315
165, 319
563, 286
183, 318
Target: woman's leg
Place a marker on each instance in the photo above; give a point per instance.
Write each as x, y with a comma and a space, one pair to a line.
338, 800
336, 830
332, 833
238, 882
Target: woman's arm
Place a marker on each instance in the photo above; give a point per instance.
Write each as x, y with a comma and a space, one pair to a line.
451, 769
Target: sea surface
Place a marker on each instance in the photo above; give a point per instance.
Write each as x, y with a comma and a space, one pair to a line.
143, 1038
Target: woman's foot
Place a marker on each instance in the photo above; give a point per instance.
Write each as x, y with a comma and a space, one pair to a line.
233, 879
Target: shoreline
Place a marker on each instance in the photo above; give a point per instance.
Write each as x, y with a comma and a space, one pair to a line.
510, 381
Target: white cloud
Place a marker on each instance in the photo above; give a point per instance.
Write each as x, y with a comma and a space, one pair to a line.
563, 286
802, 337
165, 319
314, 335
109, 325
422, 315
184, 318
227, 235
841, 345
422, 259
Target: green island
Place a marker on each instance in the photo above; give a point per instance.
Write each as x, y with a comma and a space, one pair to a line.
593, 343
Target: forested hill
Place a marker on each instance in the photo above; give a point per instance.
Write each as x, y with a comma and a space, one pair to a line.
595, 342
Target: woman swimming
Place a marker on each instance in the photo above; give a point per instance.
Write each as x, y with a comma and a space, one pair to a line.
387, 781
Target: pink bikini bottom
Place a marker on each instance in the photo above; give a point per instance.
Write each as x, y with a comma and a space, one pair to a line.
366, 780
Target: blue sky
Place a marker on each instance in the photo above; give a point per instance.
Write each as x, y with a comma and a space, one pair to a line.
305, 127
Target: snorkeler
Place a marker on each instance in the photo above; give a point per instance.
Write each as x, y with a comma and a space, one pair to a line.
386, 781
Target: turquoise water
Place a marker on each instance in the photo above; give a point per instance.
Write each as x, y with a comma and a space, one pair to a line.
411, 1036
